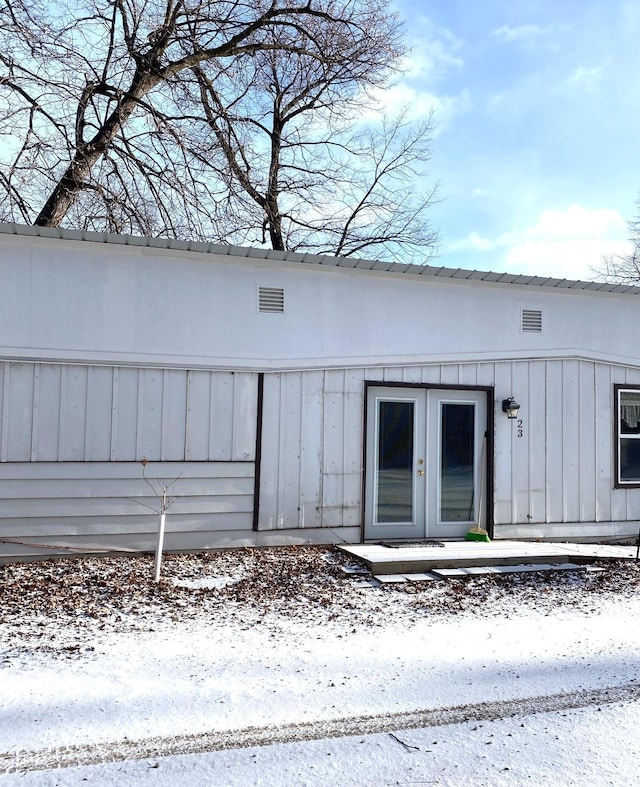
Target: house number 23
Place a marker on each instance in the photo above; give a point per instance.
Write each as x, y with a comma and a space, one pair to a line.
520, 428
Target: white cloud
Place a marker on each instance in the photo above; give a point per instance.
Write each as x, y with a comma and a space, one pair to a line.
418, 105
531, 36
433, 56
416, 94
434, 51
483, 193
520, 33
587, 78
582, 74
566, 244
472, 242
430, 60
577, 222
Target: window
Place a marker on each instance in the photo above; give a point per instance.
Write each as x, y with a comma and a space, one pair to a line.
627, 431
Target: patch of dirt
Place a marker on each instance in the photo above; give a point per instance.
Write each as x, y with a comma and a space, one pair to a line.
62, 605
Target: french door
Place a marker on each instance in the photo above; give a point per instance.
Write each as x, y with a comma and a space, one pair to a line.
425, 462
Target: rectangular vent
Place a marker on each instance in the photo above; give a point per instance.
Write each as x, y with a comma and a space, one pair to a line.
271, 300
531, 321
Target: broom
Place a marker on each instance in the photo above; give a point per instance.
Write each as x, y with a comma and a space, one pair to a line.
479, 533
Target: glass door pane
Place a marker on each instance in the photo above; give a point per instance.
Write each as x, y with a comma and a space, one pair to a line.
457, 462
395, 493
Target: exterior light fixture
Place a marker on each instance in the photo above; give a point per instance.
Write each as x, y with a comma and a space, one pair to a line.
510, 407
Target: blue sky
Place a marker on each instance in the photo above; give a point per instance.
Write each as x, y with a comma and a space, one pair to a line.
537, 142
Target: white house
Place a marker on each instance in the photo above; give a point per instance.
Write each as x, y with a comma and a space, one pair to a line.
297, 398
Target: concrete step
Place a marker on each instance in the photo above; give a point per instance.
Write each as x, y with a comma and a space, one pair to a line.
384, 560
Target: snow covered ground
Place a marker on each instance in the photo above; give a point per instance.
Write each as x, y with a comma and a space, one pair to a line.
275, 667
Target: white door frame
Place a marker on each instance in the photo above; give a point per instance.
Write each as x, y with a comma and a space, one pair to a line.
413, 501
404, 492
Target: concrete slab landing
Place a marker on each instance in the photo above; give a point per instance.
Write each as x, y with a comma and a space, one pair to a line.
396, 559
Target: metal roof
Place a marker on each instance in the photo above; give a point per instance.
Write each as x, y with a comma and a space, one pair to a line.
430, 271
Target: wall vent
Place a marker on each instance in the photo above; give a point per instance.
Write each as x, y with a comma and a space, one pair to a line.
271, 300
531, 321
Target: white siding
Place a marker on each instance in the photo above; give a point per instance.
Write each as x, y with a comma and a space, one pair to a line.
311, 472
139, 305
160, 359
60, 413
557, 479
72, 438
49, 506
560, 470
553, 468
536, 485
65, 430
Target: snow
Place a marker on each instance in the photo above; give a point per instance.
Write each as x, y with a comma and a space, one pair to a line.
577, 747
509, 681
206, 583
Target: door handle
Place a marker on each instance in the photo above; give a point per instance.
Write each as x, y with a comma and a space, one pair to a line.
420, 472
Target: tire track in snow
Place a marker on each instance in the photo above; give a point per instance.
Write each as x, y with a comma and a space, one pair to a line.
199, 743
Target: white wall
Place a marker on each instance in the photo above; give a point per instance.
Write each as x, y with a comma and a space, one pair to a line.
104, 302
72, 441
553, 481
75, 413
58, 508
311, 471
117, 353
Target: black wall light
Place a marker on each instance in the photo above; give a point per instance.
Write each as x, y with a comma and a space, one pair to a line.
510, 407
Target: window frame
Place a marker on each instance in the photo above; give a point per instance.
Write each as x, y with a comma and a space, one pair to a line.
618, 437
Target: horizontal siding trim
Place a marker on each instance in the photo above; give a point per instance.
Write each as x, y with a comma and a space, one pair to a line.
43, 489
569, 531
116, 506
124, 470
253, 366
88, 529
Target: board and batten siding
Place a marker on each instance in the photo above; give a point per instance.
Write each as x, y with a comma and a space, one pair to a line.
72, 441
553, 472
311, 466
560, 480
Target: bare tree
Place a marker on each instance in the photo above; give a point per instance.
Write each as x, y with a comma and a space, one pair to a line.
625, 268
308, 170
146, 116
